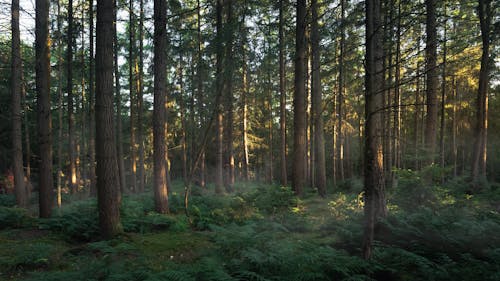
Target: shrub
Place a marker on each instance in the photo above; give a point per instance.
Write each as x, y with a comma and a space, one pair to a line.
13, 217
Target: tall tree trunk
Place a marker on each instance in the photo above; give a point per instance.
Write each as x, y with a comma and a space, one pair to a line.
454, 128
183, 118
60, 174
118, 98
317, 106
108, 197
17, 123
140, 99
299, 134
442, 150
92, 175
81, 165
69, 89
159, 109
27, 139
42, 49
200, 90
244, 97
431, 82
481, 127
374, 180
340, 96
397, 96
132, 90
283, 165
219, 183
228, 92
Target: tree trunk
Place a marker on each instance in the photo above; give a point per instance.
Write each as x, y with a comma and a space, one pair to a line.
246, 87
283, 164
442, 150
340, 97
69, 89
60, 174
132, 90
159, 125
200, 90
431, 82
374, 180
299, 134
228, 92
108, 197
317, 106
42, 47
92, 175
17, 123
183, 119
140, 99
481, 128
219, 88
118, 97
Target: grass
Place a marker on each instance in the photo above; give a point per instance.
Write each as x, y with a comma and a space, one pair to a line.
262, 232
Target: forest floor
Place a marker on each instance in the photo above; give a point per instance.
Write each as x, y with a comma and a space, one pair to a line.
263, 232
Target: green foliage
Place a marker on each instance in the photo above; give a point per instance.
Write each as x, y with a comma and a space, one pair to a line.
218, 210
273, 199
7, 200
267, 251
13, 217
23, 257
77, 222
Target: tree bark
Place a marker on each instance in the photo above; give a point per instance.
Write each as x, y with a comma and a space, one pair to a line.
108, 197
283, 164
219, 182
481, 127
159, 109
140, 99
42, 49
431, 82
200, 90
69, 89
16, 92
118, 98
317, 106
132, 90
340, 97
228, 101
299, 124
92, 174
374, 180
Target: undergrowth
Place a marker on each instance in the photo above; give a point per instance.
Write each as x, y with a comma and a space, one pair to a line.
433, 232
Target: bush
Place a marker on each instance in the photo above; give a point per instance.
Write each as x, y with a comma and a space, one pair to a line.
7, 200
78, 221
13, 217
273, 199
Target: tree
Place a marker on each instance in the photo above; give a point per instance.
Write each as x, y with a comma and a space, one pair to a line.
108, 192
16, 92
119, 139
140, 98
432, 80
283, 175
374, 181
69, 89
219, 182
92, 175
228, 101
42, 49
481, 126
317, 106
159, 127
299, 124
132, 89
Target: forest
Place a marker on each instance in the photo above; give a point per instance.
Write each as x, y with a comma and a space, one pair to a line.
249, 140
